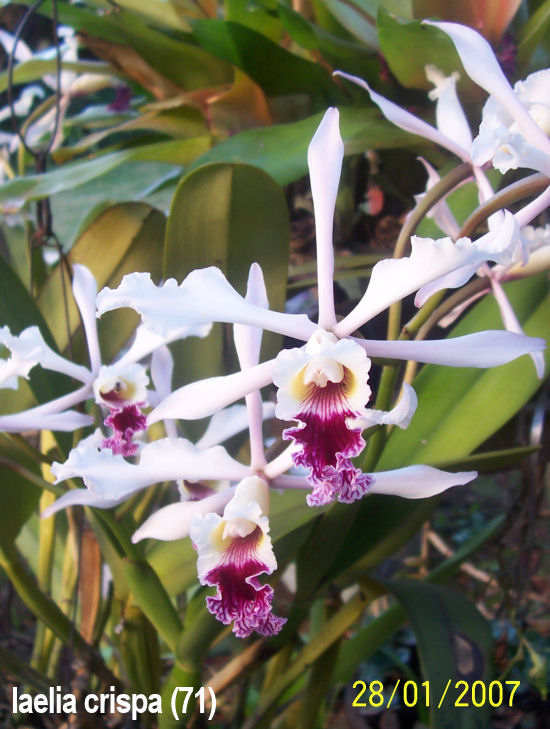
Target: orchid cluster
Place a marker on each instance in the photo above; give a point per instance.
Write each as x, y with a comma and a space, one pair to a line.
322, 386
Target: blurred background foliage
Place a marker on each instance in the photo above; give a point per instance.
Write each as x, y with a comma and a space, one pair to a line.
182, 141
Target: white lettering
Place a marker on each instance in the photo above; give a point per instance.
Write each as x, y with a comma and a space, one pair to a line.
88, 703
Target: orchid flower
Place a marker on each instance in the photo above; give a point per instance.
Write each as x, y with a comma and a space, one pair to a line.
516, 121
233, 549
323, 386
453, 133
121, 388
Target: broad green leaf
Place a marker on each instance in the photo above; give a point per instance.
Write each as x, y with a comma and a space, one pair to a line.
409, 46
455, 645
18, 496
273, 68
281, 150
127, 237
228, 215
34, 187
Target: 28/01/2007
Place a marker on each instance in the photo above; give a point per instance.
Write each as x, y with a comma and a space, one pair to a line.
478, 693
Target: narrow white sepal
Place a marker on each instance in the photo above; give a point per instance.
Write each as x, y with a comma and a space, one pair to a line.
63, 422
248, 339
481, 349
450, 118
205, 397
417, 482
407, 121
228, 422
324, 158
29, 349
85, 292
394, 278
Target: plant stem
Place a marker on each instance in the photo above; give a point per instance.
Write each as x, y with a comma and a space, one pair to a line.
46, 610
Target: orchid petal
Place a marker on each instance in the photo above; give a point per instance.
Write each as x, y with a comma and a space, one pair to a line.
290, 482
202, 398
248, 342
451, 120
417, 482
189, 309
407, 121
481, 349
28, 420
453, 315
324, 157
394, 278
401, 415
145, 341
440, 212
512, 324
449, 281
82, 497
482, 67
281, 463
248, 339
85, 292
29, 349
168, 459
173, 521
118, 385
162, 367
228, 422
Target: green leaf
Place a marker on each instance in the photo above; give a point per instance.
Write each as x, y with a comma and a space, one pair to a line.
246, 216
368, 639
531, 34
345, 55
18, 496
273, 68
127, 237
355, 22
34, 187
409, 46
180, 61
37, 68
255, 17
455, 645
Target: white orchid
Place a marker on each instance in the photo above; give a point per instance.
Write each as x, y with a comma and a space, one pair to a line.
120, 388
516, 121
505, 136
324, 385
